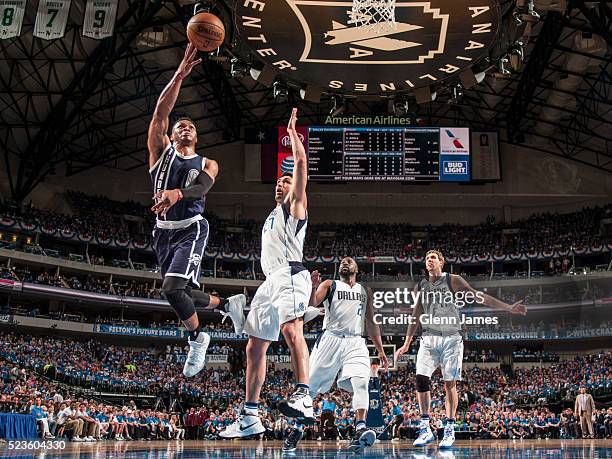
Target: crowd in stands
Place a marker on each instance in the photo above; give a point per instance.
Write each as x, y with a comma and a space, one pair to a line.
494, 404
100, 216
89, 283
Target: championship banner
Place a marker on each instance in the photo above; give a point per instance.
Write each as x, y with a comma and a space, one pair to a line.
375, 417
51, 19
100, 18
11, 17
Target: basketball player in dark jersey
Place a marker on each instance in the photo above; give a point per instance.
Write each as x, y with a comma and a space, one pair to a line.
181, 179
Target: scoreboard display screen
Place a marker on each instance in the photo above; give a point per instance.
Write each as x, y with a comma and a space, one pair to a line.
388, 154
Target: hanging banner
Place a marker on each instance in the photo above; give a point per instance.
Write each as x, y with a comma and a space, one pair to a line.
51, 19
11, 17
100, 18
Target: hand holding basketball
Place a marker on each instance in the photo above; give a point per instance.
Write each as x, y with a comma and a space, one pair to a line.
189, 61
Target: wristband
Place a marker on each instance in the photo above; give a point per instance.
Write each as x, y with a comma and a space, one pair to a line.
179, 193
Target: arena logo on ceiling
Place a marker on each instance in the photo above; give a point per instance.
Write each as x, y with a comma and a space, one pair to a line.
314, 41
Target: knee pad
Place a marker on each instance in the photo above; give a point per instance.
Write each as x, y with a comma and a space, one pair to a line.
180, 302
422, 383
361, 395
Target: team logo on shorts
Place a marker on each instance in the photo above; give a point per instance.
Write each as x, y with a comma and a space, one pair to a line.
195, 259
373, 404
301, 307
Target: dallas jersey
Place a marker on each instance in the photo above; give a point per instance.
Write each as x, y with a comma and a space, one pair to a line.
345, 308
172, 171
282, 239
437, 301
341, 353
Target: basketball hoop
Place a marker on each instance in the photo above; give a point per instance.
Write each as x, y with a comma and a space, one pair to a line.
376, 15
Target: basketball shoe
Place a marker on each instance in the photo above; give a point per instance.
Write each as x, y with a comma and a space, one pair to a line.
362, 438
245, 426
299, 406
196, 357
449, 436
292, 440
426, 436
235, 311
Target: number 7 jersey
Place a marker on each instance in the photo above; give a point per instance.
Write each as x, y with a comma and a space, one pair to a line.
282, 239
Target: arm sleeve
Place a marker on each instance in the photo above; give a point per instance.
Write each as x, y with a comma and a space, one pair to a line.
201, 185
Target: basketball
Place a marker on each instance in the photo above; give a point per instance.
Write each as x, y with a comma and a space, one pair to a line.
205, 31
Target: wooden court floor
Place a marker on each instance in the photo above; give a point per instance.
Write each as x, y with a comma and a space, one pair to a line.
506, 449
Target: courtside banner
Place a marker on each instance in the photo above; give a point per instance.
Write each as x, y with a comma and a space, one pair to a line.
137, 331
51, 19
210, 358
99, 21
11, 17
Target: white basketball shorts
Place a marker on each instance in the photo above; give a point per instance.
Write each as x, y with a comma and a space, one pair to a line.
336, 356
284, 296
445, 352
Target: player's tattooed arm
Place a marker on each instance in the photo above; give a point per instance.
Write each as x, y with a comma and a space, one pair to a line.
374, 330
459, 284
320, 290
417, 312
158, 139
297, 197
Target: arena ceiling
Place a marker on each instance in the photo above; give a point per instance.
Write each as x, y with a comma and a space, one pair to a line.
82, 103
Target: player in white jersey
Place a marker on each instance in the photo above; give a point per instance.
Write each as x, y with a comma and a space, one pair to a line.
340, 351
442, 343
280, 303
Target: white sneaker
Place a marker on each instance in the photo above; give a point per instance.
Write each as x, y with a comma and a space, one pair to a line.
298, 406
77, 439
120, 438
88, 438
196, 357
425, 437
245, 426
449, 437
235, 311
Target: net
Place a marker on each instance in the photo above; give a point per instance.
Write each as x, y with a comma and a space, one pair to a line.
376, 15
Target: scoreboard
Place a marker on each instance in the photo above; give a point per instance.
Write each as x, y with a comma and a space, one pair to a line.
388, 154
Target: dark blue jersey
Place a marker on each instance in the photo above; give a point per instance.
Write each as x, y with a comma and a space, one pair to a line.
173, 171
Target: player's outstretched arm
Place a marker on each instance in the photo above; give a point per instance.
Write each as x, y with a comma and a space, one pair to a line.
320, 290
157, 139
299, 203
373, 330
459, 284
417, 312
